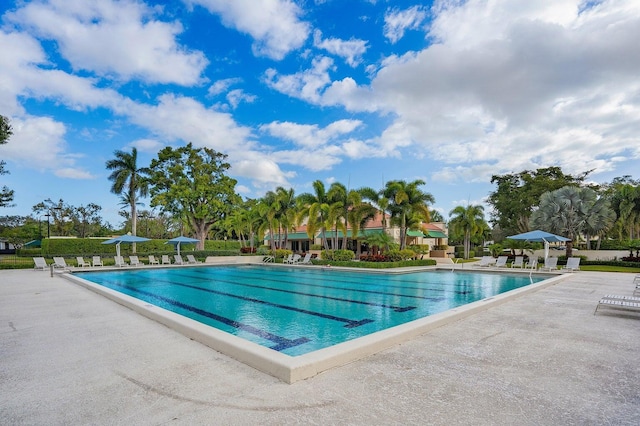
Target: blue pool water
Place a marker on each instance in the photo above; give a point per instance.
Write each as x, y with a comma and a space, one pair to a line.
300, 310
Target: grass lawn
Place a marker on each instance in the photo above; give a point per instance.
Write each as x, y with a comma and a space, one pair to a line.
606, 268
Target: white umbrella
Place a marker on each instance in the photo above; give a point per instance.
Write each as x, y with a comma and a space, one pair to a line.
125, 239
539, 237
182, 240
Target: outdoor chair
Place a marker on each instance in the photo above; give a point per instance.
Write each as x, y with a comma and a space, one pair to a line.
550, 264
288, 259
166, 260
573, 264
60, 263
40, 263
518, 262
135, 261
502, 261
268, 259
97, 261
485, 261
613, 301
119, 261
153, 260
192, 260
178, 259
532, 264
306, 260
81, 262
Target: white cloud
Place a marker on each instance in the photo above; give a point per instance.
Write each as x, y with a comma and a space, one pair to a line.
147, 145
513, 85
39, 143
397, 21
236, 96
310, 135
185, 119
119, 38
351, 50
274, 25
306, 85
263, 171
222, 86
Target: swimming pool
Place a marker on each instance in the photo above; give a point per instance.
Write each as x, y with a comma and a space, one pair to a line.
296, 311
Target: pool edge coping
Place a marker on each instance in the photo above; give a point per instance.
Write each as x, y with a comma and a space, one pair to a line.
292, 369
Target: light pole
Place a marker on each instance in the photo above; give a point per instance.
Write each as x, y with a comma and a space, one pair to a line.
48, 215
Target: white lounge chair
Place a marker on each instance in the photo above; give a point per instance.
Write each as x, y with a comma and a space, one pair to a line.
97, 261
135, 261
60, 263
532, 263
40, 263
192, 260
518, 262
306, 260
573, 264
166, 260
153, 260
178, 259
119, 261
288, 259
81, 262
502, 262
550, 264
628, 303
295, 259
268, 259
485, 261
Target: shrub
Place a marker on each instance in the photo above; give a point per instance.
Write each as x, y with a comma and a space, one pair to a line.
338, 255
316, 247
263, 250
282, 253
247, 250
407, 254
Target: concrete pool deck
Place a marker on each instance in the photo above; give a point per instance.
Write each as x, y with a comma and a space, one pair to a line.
70, 356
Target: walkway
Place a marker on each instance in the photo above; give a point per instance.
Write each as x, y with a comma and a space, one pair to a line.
69, 356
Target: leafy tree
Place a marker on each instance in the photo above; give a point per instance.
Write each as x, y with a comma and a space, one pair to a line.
316, 207
624, 196
192, 183
18, 230
407, 203
6, 194
129, 181
57, 213
86, 219
517, 195
469, 221
568, 210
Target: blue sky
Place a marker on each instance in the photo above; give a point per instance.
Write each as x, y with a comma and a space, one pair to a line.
355, 91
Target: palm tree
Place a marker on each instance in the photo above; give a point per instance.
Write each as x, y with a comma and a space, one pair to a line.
315, 207
468, 221
379, 200
407, 202
567, 211
129, 181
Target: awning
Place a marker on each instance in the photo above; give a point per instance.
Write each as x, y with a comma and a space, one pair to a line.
412, 233
291, 236
436, 234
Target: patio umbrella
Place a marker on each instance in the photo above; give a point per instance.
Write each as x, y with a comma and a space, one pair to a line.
539, 237
125, 239
182, 240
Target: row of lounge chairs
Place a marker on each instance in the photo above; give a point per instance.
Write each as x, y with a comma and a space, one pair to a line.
627, 303
550, 263
60, 262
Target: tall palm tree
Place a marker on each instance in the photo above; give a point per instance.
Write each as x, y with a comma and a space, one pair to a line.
379, 200
315, 207
468, 221
407, 202
129, 181
566, 211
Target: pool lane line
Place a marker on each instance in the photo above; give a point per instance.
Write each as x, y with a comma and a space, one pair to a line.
339, 299
282, 343
431, 299
463, 293
349, 323
318, 272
